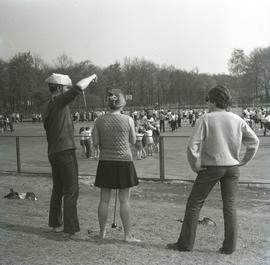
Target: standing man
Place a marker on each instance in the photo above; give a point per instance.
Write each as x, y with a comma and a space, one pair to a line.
266, 122
162, 121
61, 152
213, 153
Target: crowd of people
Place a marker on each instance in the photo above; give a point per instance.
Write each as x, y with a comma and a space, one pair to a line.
36, 117
6, 123
258, 118
158, 120
148, 126
84, 116
164, 117
213, 153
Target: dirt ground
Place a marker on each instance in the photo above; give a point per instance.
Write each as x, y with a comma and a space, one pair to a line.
156, 212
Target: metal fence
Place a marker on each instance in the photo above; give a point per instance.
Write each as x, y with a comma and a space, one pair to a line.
36, 158
28, 154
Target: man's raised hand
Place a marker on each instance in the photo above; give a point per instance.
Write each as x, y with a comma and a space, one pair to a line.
83, 83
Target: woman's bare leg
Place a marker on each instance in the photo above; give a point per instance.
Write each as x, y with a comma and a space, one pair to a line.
124, 195
105, 195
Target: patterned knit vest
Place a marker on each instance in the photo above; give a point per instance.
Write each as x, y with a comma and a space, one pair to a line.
113, 131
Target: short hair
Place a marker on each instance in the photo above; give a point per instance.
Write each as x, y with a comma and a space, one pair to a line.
221, 96
54, 87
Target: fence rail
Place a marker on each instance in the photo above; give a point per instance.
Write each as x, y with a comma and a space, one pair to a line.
164, 159
18, 152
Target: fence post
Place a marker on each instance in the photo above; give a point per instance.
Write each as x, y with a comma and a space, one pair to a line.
18, 154
161, 158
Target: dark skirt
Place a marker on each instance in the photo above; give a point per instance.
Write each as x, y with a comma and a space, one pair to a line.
116, 175
144, 141
138, 145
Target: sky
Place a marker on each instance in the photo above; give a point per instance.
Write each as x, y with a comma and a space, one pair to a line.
188, 34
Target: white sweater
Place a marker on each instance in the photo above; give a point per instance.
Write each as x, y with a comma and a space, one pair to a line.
217, 139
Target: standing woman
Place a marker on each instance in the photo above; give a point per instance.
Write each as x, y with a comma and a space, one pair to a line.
113, 133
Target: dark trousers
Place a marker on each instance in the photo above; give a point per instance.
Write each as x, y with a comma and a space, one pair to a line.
87, 144
65, 189
173, 125
205, 181
266, 127
179, 122
162, 125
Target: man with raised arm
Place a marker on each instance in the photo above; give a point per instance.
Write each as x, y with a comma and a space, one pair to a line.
61, 152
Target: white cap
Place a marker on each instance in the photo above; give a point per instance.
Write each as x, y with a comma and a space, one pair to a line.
59, 79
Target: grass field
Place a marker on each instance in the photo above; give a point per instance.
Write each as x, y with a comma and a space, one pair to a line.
157, 208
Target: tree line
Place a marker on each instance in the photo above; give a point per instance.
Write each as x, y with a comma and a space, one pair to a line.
22, 86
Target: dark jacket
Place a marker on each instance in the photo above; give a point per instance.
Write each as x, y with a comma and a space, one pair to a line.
58, 123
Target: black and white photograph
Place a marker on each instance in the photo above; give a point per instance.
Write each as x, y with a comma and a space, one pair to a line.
134, 132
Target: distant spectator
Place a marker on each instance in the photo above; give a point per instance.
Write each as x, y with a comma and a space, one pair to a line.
266, 123
156, 136
138, 144
82, 137
149, 140
1, 124
17, 117
88, 142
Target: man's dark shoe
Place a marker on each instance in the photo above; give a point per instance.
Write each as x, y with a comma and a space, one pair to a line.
175, 246
224, 251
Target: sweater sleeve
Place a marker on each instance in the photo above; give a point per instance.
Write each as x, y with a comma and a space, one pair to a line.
64, 99
250, 141
194, 145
